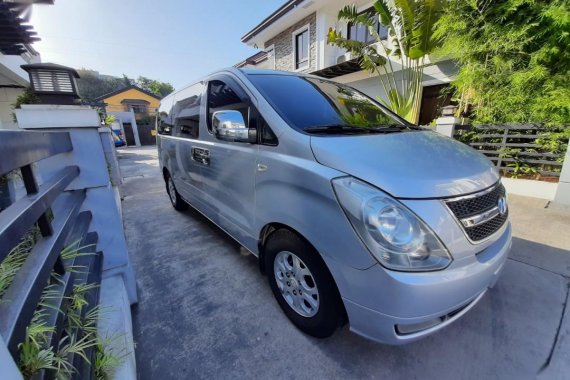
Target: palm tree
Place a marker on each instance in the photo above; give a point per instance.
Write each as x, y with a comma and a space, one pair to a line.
410, 26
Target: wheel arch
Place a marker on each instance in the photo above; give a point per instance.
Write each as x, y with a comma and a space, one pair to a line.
272, 227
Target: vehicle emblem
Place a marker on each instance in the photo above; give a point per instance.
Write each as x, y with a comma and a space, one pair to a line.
502, 205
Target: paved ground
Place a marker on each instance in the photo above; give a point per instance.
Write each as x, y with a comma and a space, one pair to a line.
205, 311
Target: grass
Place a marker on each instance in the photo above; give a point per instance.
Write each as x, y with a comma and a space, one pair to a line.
80, 327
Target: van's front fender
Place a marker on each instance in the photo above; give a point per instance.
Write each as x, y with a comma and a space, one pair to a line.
298, 193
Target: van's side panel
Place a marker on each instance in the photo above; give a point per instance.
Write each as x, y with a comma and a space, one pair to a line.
228, 180
296, 191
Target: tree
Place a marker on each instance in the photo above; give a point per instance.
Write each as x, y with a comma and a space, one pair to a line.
92, 85
514, 59
156, 87
410, 26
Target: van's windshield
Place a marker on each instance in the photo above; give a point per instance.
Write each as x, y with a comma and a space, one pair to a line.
320, 106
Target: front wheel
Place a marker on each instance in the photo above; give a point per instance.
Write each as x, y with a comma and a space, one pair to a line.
178, 203
302, 285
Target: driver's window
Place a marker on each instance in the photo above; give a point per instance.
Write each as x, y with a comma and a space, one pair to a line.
221, 96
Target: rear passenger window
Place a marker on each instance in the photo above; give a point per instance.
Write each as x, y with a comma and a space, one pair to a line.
224, 96
164, 124
187, 112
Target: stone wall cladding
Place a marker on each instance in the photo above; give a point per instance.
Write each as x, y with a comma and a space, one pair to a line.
283, 43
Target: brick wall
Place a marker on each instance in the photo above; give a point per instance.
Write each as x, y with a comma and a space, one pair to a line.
283, 42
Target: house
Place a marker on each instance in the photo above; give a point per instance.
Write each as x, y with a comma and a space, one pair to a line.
294, 38
16, 37
135, 109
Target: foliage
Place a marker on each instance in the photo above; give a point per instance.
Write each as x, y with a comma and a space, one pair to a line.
16, 258
26, 97
160, 89
513, 56
110, 119
92, 85
80, 328
410, 26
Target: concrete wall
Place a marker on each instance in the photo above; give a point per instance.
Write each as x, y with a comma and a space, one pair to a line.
439, 73
7, 98
283, 42
128, 117
93, 152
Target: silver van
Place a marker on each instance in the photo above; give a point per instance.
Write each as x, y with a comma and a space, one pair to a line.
355, 215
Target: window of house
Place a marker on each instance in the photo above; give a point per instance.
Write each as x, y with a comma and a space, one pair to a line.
301, 48
360, 32
137, 108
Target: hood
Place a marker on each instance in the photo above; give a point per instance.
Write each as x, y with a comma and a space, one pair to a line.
421, 164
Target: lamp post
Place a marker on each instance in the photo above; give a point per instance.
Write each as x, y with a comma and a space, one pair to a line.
53, 84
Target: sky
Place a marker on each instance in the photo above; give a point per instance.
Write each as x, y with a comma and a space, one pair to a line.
176, 41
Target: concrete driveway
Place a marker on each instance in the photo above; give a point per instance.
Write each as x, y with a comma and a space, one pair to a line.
205, 311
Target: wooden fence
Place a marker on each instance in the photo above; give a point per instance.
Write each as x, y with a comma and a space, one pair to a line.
529, 150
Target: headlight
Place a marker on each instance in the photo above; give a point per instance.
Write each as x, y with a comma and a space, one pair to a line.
394, 235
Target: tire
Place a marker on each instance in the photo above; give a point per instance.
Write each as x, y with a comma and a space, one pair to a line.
176, 200
320, 321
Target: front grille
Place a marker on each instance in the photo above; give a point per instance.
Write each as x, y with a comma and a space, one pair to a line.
478, 204
488, 228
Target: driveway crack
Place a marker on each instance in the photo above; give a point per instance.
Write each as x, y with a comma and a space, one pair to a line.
560, 324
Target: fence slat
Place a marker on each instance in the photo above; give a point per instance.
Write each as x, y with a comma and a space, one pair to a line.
540, 162
516, 127
533, 154
495, 136
514, 145
91, 276
542, 172
54, 315
21, 298
17, 219
38, 145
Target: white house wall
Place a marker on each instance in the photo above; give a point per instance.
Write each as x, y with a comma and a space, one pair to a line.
439, 73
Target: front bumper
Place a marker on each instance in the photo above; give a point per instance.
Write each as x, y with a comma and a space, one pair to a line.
398, 307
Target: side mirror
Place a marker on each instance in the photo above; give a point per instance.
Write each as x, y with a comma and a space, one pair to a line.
230, 126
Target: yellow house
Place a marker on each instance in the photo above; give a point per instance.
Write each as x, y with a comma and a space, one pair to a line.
131, 98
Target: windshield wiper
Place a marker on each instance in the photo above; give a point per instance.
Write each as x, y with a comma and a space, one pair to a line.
342, 128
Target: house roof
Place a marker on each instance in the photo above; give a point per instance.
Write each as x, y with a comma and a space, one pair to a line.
280, 12
255, 59
131, 87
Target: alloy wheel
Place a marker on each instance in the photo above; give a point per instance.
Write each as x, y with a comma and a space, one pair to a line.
296, 284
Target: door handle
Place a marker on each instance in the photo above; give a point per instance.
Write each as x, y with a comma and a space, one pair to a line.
261, 167
201, 155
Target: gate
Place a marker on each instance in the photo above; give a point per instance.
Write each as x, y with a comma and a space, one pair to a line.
129, 134
145, 134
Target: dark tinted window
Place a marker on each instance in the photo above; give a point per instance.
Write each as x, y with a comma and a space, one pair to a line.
224, 96
360, 32
164, 123
186, 111
302, 49
308, 102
